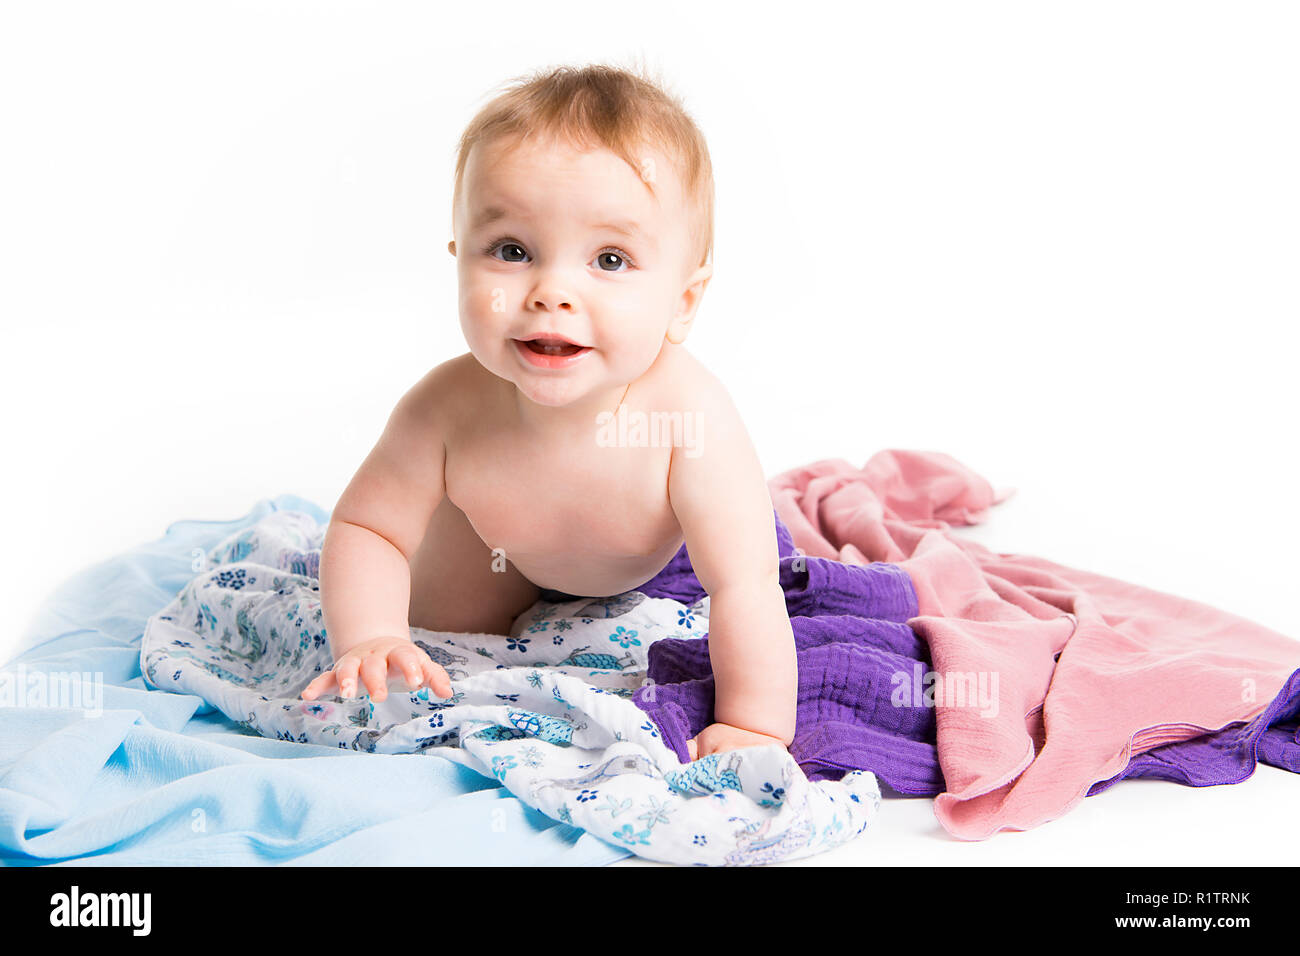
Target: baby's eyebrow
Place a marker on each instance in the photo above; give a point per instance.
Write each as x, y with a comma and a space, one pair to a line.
627, 227
489, 215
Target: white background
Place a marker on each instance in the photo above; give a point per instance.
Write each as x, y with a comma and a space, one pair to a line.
1056, 241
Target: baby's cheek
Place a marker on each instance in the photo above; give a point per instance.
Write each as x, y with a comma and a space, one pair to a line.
480, 299
485, 312
637, 354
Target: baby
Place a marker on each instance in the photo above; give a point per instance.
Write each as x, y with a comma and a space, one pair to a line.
583, 223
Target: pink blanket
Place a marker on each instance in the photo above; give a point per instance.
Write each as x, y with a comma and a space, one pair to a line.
1089, 671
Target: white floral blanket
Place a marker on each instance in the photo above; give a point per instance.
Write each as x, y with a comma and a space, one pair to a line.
546, 711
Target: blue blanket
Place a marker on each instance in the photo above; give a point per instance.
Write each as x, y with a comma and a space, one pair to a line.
96, 769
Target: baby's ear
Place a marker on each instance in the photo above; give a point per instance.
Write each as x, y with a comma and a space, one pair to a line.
451, 247
688, 304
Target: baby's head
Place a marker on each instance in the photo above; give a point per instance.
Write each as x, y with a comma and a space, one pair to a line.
583, 209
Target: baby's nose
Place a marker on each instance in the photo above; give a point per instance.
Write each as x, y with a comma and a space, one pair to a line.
549, 294
547, 301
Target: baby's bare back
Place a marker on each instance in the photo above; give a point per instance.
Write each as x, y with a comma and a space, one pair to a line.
583, 510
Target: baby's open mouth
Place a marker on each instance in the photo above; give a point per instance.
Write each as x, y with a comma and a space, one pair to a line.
546, 346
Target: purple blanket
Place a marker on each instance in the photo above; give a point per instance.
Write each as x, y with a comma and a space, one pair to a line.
852, 637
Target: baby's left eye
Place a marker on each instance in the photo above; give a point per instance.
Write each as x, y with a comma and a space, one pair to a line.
611, 262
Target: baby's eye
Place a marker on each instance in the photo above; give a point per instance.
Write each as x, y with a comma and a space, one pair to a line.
611, 261
509, 252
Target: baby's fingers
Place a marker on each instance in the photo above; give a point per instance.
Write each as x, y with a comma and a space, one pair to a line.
345, 672
407, 660
321, 685
436, 676
374, 673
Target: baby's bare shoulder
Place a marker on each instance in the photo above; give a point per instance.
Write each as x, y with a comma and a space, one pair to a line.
684, 382
448, 391
690, 386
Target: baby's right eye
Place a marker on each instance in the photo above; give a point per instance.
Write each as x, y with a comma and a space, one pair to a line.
508, 252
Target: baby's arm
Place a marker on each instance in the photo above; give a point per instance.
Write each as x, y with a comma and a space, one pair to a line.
721, 501
365, 574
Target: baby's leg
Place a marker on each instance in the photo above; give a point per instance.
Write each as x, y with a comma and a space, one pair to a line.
453, 584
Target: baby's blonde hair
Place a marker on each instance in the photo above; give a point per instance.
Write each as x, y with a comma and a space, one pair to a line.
600, 105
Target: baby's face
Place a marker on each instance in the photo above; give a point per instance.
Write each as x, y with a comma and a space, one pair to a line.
556, 242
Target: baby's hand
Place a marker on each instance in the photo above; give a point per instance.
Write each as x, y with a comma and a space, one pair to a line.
716, 738
375, 660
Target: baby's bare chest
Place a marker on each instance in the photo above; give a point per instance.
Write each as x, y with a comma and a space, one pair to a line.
577, 511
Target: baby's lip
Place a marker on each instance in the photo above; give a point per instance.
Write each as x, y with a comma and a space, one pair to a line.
552, 339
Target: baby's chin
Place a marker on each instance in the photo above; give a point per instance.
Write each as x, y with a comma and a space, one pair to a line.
553, 392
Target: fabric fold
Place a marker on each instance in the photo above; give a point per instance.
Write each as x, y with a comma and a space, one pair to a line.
1092, 671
